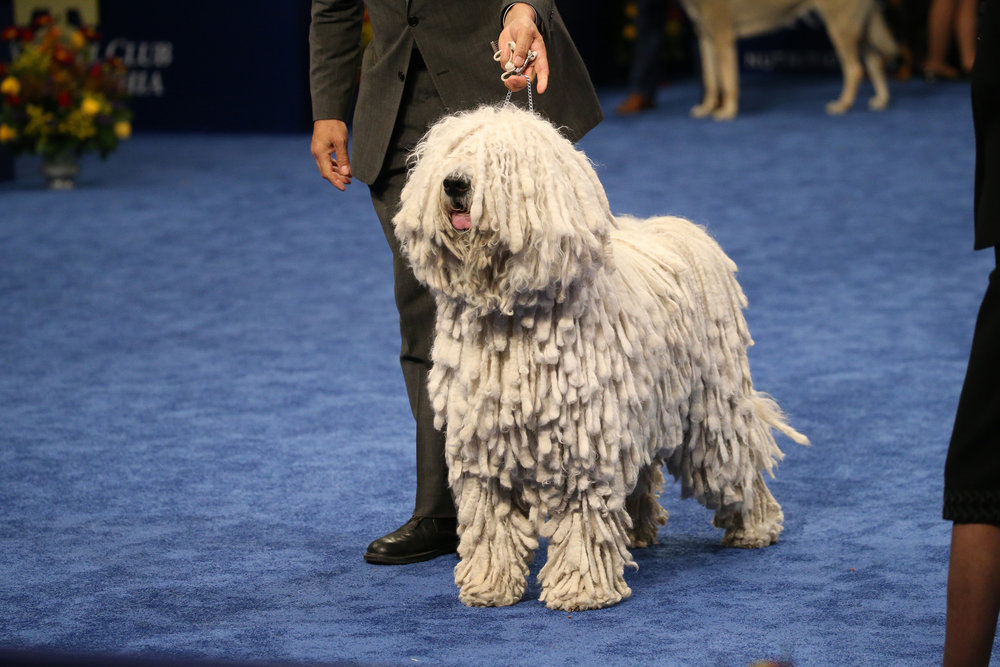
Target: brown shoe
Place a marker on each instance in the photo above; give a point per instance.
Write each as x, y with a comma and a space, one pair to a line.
635, 103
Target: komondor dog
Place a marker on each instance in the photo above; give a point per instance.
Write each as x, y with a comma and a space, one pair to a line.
576, 353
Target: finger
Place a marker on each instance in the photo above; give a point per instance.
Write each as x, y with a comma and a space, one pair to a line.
516, 83
343, 159
539, 68
524, 41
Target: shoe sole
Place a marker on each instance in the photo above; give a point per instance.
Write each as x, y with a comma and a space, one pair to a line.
379, 559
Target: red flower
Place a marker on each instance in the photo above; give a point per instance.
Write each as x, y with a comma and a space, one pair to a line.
42, 20
95, 71
14, 100
63, 56
64, 100
26, 34
9, 33
91, 34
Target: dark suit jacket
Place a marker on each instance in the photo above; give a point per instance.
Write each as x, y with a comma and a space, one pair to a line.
453, 37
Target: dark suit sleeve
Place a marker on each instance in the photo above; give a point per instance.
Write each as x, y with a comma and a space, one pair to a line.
334, 56
543, 11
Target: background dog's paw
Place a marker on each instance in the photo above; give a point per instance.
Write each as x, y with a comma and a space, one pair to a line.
702, 110
837, 108
725, 113
878, 103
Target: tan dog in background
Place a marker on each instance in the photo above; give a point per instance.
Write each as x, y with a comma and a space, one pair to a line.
856, 28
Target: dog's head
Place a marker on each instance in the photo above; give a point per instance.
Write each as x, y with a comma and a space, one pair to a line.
501, 211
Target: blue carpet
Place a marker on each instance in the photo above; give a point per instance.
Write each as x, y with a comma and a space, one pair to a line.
202, 419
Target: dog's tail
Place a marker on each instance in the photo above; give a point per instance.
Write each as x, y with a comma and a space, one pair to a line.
767, 409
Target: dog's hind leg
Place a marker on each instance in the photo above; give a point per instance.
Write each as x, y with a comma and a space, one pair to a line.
755, 524
587, 556
846, 36
644, 507
881, 46
497, 540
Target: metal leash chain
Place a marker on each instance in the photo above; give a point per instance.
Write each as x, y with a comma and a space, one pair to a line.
511, 70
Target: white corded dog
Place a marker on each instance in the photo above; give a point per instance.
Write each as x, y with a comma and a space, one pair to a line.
575, 355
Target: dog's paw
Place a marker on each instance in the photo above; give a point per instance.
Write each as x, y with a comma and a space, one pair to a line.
757, 538
878, 103
837, 108
725, 113
702, 110
471, 597
584, 601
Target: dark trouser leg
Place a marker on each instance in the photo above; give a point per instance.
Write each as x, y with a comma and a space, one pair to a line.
644, 75
416, 324
420, 107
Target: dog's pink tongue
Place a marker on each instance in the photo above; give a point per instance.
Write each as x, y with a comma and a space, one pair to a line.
461, 221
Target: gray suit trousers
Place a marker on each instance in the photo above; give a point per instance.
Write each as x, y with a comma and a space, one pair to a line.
420, 107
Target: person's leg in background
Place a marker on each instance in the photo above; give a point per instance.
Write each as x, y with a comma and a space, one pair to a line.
644, 72
972, 495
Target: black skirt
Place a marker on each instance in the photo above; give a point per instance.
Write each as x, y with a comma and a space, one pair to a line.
972, 469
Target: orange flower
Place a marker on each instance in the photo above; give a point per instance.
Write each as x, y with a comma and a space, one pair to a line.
91, 34
63, 56
9, 33
42, 20
78, 40
7, 133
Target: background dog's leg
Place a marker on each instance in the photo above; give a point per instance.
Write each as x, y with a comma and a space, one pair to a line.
881, 46
644, 506
709, 78
758, 526
876, 72
496, 543
845, 35
587, 556
729, 76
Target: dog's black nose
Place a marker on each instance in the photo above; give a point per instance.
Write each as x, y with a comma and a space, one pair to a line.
455, 186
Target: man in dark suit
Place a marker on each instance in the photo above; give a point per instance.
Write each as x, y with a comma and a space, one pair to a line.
427, 58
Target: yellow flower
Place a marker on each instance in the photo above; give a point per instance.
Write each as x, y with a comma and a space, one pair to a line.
78, 40
39, 122
90, 106
10, 86
7, 133
123, 129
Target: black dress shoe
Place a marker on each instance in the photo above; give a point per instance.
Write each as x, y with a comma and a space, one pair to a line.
417, 540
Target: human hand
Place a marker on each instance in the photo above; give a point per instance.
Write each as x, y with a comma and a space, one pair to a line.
330, 139
520, 28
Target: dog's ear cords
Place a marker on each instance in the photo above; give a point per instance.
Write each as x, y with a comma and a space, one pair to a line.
511, 70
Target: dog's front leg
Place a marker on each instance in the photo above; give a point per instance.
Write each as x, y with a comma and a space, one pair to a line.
496, 543
709, 78
587, 556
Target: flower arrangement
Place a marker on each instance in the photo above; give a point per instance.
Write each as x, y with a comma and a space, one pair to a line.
57, 98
